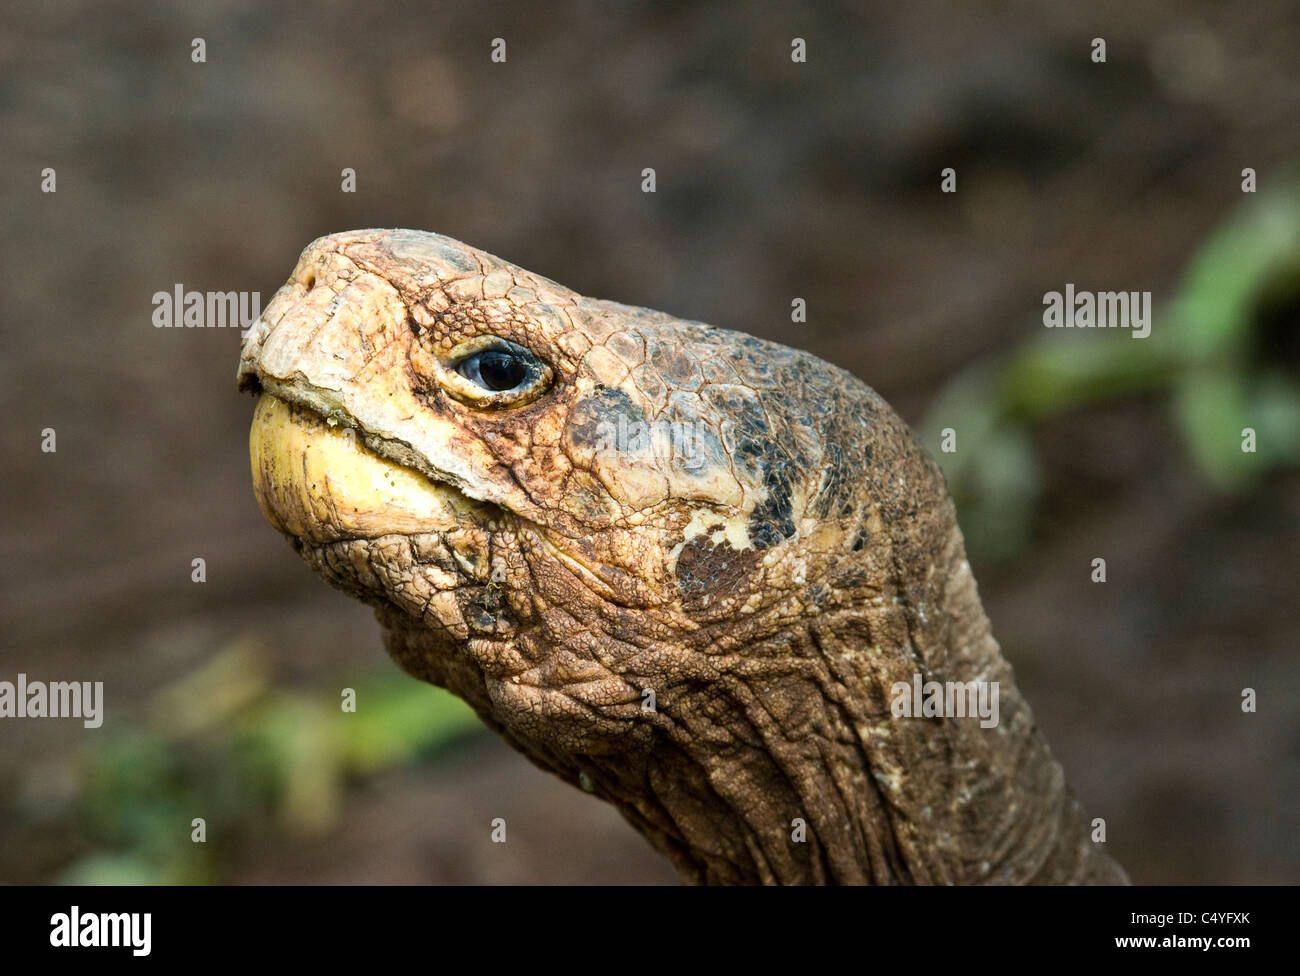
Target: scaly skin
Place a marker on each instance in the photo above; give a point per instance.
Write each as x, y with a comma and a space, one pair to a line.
768, 578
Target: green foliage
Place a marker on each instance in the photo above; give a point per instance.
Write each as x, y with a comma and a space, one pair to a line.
1228, 383
227, 745
1208, 357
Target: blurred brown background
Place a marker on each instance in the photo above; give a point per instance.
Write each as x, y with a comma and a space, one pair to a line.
775, 180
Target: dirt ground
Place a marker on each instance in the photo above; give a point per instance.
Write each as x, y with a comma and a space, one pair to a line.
775, 179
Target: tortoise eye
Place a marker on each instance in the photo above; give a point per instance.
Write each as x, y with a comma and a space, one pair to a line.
489, 371
496, 370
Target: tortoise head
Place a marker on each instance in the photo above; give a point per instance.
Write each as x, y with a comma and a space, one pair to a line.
677, 565
575, 493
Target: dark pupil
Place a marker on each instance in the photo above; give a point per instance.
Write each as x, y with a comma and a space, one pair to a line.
500, 370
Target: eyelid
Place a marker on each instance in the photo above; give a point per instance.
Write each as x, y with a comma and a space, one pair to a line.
466, 391
481, 343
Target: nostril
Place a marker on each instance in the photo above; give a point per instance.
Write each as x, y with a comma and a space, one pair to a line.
310, 281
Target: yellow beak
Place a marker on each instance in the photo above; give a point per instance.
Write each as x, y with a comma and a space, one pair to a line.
320, 484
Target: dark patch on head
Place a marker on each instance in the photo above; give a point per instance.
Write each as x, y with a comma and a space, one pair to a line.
773, 519
836, 489
754, 445
594, 419
708, 573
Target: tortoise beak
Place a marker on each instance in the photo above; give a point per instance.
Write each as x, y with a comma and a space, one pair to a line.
318, 484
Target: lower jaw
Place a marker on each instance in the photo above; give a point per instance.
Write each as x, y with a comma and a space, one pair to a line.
382, 572
318, 483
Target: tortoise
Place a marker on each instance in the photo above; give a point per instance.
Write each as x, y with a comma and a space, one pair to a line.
711, 579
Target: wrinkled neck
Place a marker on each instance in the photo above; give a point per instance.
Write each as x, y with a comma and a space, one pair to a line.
791, 763
795, 767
